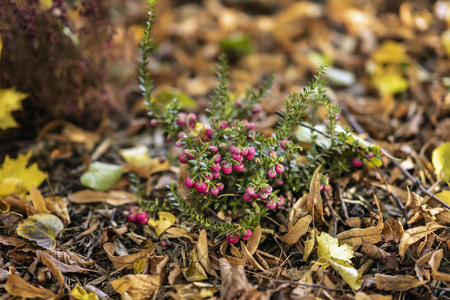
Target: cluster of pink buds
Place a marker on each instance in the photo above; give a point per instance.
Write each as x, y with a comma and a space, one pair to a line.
234, 238
137, 217
326, 187
186, 119
262, 192
202, 186
277, 169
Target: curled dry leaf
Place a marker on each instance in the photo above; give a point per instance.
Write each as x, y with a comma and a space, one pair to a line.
41, 229
314, 201
18, 204
249, 257
413, 235
64, 267
309, 245
16, 286
195, 271
38, 200
114, 198
55, 270
374, 252
296, 232
138, 287
235, 284
126, 261
58, 206
203, 255
364, 296
356, 236
174, 273
253, 241
81, 294
392, 230
398, 283
177, 232
234, 261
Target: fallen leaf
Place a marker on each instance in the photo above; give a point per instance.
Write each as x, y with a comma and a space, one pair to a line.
314, 200
126, 261
392, 230
138, 266
16, 177
390, 52
178, 232
114, 198
38, 200
309, 245
194, 271
249, 257
398, 283
165, 221
364, 296
441, 161
80, 294
10, 101
296, 232
41, 229
58, 206
253, 241
328, 248
101, 176
167, 95
71, 258
356, 236
348, 273
194, 291
138, 155
47, 260
16, 286
390, 82
413, 235
203, 255
63, 267
138, 287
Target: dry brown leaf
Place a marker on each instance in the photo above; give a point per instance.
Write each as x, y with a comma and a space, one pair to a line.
203, 255
392, 230
355, 236
138, 287
235, 251
19, 204
114, 198
440, 275
63, 267
38, 200
16, 286
234, 261
177, 232
54, 269
314, 201
253, 241
195, 271
71, 258
58, 205
309, 245
354, 222
126, 261
296, 232
174, 273
374, 252
249, 257
398, 283
11, 241
235, 284
413, 235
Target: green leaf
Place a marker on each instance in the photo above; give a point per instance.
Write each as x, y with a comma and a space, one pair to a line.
184, 100
239, 43
41, 229
101, 176
441, 161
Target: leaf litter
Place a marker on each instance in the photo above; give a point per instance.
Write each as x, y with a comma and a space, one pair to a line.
354, 241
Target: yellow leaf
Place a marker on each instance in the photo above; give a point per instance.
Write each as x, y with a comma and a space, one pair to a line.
138, 156
441, 161
15, 177
80, 294
444, 196
46, 4
41, 229
10, 100
165, 221
348, 273
390, 52
139, 265
390, 82
328, 248
195, 271
138, 287
445, 37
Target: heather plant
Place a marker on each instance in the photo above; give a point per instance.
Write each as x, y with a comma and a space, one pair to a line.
234, 169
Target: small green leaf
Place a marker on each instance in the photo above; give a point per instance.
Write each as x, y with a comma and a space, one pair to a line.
441, 161
238, 43
101, 176
184, 100
41, 229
